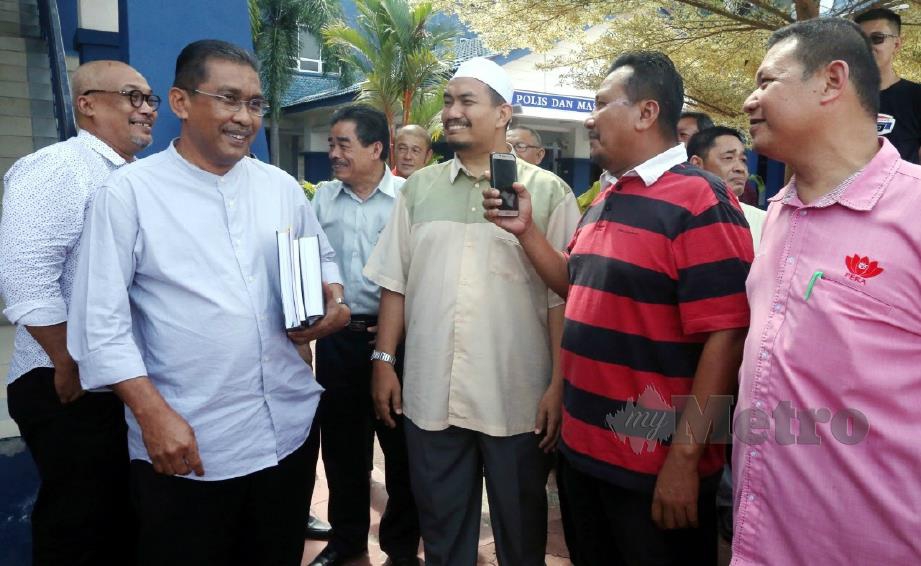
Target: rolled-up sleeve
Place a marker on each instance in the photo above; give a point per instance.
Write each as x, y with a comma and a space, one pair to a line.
42, 216
100, 336
389, 263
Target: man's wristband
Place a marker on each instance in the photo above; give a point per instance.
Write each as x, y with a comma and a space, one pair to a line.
377, 355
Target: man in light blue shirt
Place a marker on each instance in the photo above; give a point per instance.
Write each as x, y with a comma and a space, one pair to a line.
176, 307
353, 210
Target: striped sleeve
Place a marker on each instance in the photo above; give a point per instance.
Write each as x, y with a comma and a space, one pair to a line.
713, 254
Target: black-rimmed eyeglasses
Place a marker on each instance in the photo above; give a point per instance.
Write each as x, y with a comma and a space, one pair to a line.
256, 106
878, 38
136, 97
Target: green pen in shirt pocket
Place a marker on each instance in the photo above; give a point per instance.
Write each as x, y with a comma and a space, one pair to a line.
815, 277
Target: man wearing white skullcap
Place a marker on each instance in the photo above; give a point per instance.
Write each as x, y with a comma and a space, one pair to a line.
481, 392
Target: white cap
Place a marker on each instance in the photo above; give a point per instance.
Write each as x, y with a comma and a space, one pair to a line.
487, 72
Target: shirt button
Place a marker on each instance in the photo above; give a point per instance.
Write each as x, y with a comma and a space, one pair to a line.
754, 453
473, 209
265, 359
776, 307
476, 185
791, 259
803, 212
759, 404
751, 497
763, 354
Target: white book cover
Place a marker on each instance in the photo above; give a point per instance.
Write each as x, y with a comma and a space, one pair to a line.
286, 279
311, 278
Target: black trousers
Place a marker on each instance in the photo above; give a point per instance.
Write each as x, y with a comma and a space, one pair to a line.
347, 426
83, 511
613, 526
252, 520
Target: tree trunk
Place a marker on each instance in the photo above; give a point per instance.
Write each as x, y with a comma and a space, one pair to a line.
275, 139
806, 9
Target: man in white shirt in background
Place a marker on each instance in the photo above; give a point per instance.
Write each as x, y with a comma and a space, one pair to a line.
353, 210
82, 514
721, 151
177, 308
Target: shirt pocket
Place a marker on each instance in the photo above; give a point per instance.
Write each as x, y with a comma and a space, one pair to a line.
839, 299
507, 259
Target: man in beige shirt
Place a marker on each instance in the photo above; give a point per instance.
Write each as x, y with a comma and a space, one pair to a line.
481, 390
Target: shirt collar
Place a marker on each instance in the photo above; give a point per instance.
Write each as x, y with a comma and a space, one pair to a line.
386, 185
457, 167
860, 191
101, 147
200, 173
651, 169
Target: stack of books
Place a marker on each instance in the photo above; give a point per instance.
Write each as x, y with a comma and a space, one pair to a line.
301, 279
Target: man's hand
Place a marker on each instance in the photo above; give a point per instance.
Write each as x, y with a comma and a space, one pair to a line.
386, 392
674, 501
337, 317
550, 416
372, 330
517, 225
67, 383
170, 443
306, 353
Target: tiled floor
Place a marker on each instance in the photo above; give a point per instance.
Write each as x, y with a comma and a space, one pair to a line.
557, 555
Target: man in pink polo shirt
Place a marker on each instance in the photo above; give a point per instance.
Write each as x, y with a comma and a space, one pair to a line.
826, 452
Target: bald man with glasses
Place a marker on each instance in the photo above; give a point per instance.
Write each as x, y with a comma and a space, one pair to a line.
899, 99
77, 438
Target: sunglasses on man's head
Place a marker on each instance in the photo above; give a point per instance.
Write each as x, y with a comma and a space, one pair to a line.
877, 38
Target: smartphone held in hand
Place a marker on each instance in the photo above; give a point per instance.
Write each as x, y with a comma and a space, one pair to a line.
503, 171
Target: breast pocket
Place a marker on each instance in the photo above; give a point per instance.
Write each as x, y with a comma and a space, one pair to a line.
508, 260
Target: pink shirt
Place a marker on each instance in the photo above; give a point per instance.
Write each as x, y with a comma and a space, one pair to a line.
827, 453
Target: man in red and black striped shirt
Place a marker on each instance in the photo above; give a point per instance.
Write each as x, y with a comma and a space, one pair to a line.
656, 316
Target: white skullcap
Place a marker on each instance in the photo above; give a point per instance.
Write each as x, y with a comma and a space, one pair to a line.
487, 72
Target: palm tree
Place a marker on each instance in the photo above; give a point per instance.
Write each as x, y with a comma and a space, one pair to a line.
276, 25
398, 50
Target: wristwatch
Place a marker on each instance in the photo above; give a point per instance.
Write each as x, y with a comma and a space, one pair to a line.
383, 357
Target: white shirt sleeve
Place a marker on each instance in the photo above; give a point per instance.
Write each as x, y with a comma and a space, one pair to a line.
100, 336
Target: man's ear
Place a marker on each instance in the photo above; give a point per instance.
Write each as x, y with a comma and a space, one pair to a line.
649, 115
85, 106
696, 162
179, 101
541, 152
376, 149
505, 116
836, 75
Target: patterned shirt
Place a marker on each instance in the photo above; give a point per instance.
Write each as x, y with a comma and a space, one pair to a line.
179, 282
45, 196
826, 452
657, 263
477, 342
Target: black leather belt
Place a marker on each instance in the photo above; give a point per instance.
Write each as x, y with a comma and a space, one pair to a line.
361, 323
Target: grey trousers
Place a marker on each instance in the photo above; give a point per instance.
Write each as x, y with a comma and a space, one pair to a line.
446, 469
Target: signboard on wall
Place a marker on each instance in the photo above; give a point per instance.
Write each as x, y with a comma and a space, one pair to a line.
552, 101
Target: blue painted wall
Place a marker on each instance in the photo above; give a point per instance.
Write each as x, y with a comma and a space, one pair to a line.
153, 33
67, 10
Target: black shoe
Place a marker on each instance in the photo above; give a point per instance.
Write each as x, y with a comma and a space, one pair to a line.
317, 529
402, 561
332, 557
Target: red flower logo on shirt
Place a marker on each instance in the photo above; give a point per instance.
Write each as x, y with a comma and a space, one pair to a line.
862, 267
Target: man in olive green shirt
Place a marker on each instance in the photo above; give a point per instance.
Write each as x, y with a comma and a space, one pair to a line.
481, 390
